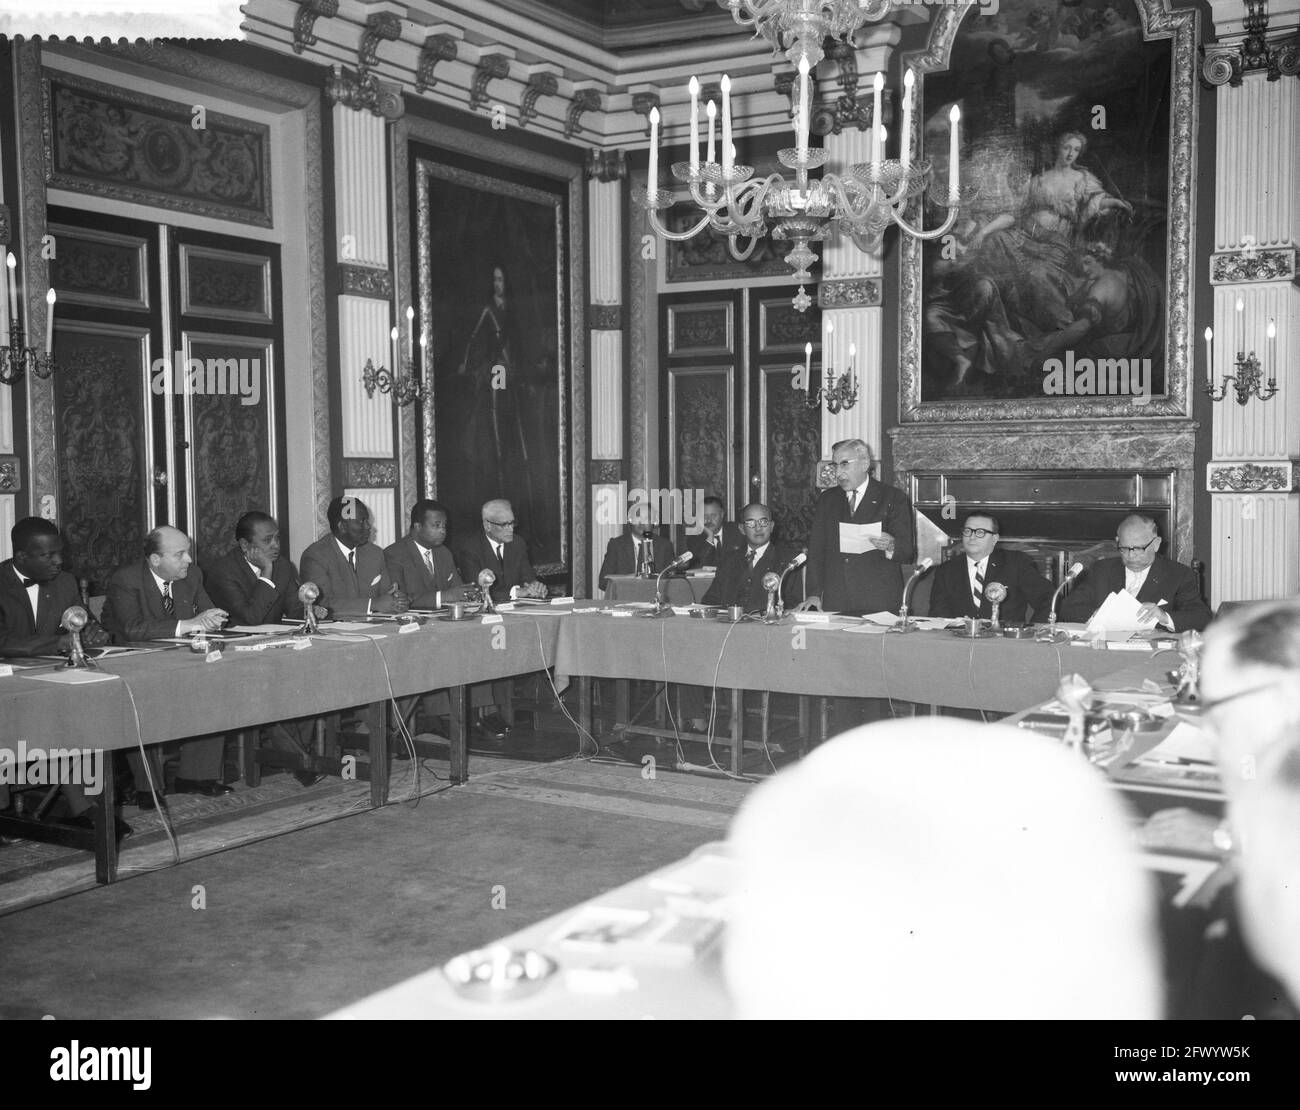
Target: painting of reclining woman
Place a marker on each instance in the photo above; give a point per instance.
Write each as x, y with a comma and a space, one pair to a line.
1062, 252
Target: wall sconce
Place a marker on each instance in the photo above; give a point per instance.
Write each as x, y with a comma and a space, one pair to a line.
404, 385
837, 395
1249, 376
18, 359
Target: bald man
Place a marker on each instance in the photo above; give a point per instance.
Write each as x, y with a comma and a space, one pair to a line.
157, 598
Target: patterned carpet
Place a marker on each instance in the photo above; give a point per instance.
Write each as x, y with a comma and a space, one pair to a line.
32, 872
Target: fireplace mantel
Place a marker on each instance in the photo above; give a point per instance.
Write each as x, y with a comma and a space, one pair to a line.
1100, 445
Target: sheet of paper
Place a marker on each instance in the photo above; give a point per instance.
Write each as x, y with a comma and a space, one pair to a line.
1119, 613
1184, 744
855, 539
347, 626
75, 677
265, 629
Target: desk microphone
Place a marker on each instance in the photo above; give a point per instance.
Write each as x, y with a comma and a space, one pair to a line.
485, 579
996, 592
74, 619
772, 584
905, 623
661, 603
1049, 634
308, 592
793, 564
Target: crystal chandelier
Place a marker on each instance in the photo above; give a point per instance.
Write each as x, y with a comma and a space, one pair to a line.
862, 203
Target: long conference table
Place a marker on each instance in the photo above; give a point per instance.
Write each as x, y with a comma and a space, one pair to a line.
174, 694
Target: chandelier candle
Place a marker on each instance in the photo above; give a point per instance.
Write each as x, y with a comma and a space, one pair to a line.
954, 117
694, 87
804, 97
410, 333
12, 263
726, 132
712, 111
878, 84
49, 322
1209, 358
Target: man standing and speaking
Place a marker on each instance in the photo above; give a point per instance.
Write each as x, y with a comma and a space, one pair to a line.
852, 568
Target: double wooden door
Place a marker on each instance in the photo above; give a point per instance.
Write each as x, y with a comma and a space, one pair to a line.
168, 396
734, 424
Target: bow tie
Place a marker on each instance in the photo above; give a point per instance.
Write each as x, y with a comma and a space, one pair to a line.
28, 583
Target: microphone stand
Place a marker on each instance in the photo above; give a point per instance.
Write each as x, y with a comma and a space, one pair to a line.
780, 585
662, 608
905, 623
1050, 635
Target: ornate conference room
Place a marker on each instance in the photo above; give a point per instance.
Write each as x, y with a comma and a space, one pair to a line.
633, 485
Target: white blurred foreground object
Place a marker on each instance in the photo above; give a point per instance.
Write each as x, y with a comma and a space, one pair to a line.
939, 869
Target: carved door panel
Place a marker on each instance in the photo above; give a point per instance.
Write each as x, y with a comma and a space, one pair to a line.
734, 424
229, 421
145, 436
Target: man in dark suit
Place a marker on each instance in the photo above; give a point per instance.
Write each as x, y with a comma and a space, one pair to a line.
420, 564
497, 549
348, 569
626, 553
740, 574
252, 581
35, 591
717, 537
256, 585
161, 597
1169, 591
960, 583
870, 581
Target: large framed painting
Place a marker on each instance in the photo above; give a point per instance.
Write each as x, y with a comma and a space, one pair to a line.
1063, 289
492, 285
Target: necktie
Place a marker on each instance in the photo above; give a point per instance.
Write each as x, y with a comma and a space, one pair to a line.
853, 501
499, 552
750, 558
169, 606
977, 591
428, 559
352, 561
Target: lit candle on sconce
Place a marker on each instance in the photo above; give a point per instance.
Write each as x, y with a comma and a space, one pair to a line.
954, 120
396, 353
906, 138
853, 352
410, 332
1209, 357
12, 263
1271, 333
807, 364
652, 174
50, 298
1241, 329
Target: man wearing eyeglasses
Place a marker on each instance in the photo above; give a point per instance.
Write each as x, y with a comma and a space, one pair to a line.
740, 573
960, 584
1170, 592
852, 581
499, 550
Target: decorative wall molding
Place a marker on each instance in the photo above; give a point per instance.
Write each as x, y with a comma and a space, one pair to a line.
539, 84
850, 293
490, 67
380, 27
308, 12
1228, 61
607, 165
10, 474
364, 90
436, 48
370, 473
365, 281
605, 471
1263, 477
6, 225
643, 103
584, 100
604, 317
1240, 267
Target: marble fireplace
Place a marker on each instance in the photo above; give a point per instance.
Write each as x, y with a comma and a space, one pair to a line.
1059, 487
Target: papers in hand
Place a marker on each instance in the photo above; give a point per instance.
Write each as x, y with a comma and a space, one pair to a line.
1119, 613
855, 539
